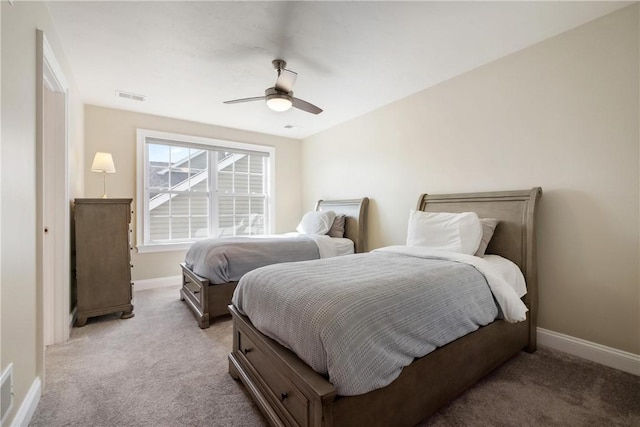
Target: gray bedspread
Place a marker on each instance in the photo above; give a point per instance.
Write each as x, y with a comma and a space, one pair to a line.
361, 318
227, 259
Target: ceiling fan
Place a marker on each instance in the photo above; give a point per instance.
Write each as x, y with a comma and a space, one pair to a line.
280, 96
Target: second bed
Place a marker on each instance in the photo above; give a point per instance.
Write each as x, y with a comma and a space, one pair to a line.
213, 267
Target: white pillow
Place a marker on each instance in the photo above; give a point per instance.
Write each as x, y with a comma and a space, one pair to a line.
316, 222
457, 232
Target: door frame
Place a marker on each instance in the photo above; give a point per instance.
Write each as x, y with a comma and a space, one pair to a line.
53, 293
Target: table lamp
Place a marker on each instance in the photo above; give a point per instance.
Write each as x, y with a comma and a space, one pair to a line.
103, 162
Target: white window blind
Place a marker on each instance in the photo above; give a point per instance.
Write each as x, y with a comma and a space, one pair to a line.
194, 188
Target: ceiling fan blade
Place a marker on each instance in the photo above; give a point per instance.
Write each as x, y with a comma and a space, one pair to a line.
286, 80
237, 101
306, 106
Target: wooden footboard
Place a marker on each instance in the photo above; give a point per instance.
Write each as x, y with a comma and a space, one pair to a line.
290, 393
207, 301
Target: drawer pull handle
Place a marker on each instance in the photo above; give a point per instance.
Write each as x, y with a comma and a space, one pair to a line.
246, 350
283, 396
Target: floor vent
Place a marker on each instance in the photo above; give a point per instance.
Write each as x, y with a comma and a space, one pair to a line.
6, 393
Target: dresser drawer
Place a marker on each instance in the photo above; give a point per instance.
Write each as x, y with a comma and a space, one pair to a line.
286, 396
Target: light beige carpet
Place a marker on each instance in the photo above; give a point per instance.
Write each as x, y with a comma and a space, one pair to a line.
159, 369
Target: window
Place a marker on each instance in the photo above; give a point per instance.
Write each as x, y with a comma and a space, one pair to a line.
191, 188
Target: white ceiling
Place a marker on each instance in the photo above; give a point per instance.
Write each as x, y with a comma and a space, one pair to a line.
351, 57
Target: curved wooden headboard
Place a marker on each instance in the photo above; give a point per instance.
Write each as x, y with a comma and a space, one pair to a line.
514, 237
355, 210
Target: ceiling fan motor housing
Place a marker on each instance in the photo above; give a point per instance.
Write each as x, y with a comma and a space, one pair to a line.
275, 93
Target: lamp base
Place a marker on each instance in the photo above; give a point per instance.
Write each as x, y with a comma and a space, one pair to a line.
104, 185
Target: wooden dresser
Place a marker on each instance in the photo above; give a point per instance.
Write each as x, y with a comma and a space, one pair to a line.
103, 258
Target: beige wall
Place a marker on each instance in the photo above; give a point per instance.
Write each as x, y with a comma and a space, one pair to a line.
21, 335
114, 131
563, 115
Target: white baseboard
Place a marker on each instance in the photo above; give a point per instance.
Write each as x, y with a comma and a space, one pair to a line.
160, 282
29, 405
608, 356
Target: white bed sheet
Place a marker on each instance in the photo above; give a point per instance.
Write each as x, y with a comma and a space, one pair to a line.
344, 246
504, 291
327, 246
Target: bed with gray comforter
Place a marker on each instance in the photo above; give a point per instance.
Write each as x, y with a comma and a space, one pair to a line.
397, 307
228, 259
213, 267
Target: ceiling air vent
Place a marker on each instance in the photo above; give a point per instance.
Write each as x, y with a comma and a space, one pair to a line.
129, 95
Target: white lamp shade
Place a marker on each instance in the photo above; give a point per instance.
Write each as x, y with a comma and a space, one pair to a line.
103, 162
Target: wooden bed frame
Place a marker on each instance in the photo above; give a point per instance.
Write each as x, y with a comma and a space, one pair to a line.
290, 393
208, 300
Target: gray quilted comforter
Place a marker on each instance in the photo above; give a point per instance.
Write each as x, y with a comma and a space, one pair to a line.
359, 319
227, 259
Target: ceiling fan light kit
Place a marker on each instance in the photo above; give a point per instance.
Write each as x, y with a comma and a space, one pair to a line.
278, 101
280, 96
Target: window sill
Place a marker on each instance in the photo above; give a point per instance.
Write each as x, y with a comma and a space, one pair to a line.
164, 247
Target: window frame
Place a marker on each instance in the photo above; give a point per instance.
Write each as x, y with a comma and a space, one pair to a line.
142, 202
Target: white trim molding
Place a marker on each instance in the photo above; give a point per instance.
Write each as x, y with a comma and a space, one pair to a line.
6, 377
608, 356
29, 405
160, 282
164, 247
53, 195
72, 317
